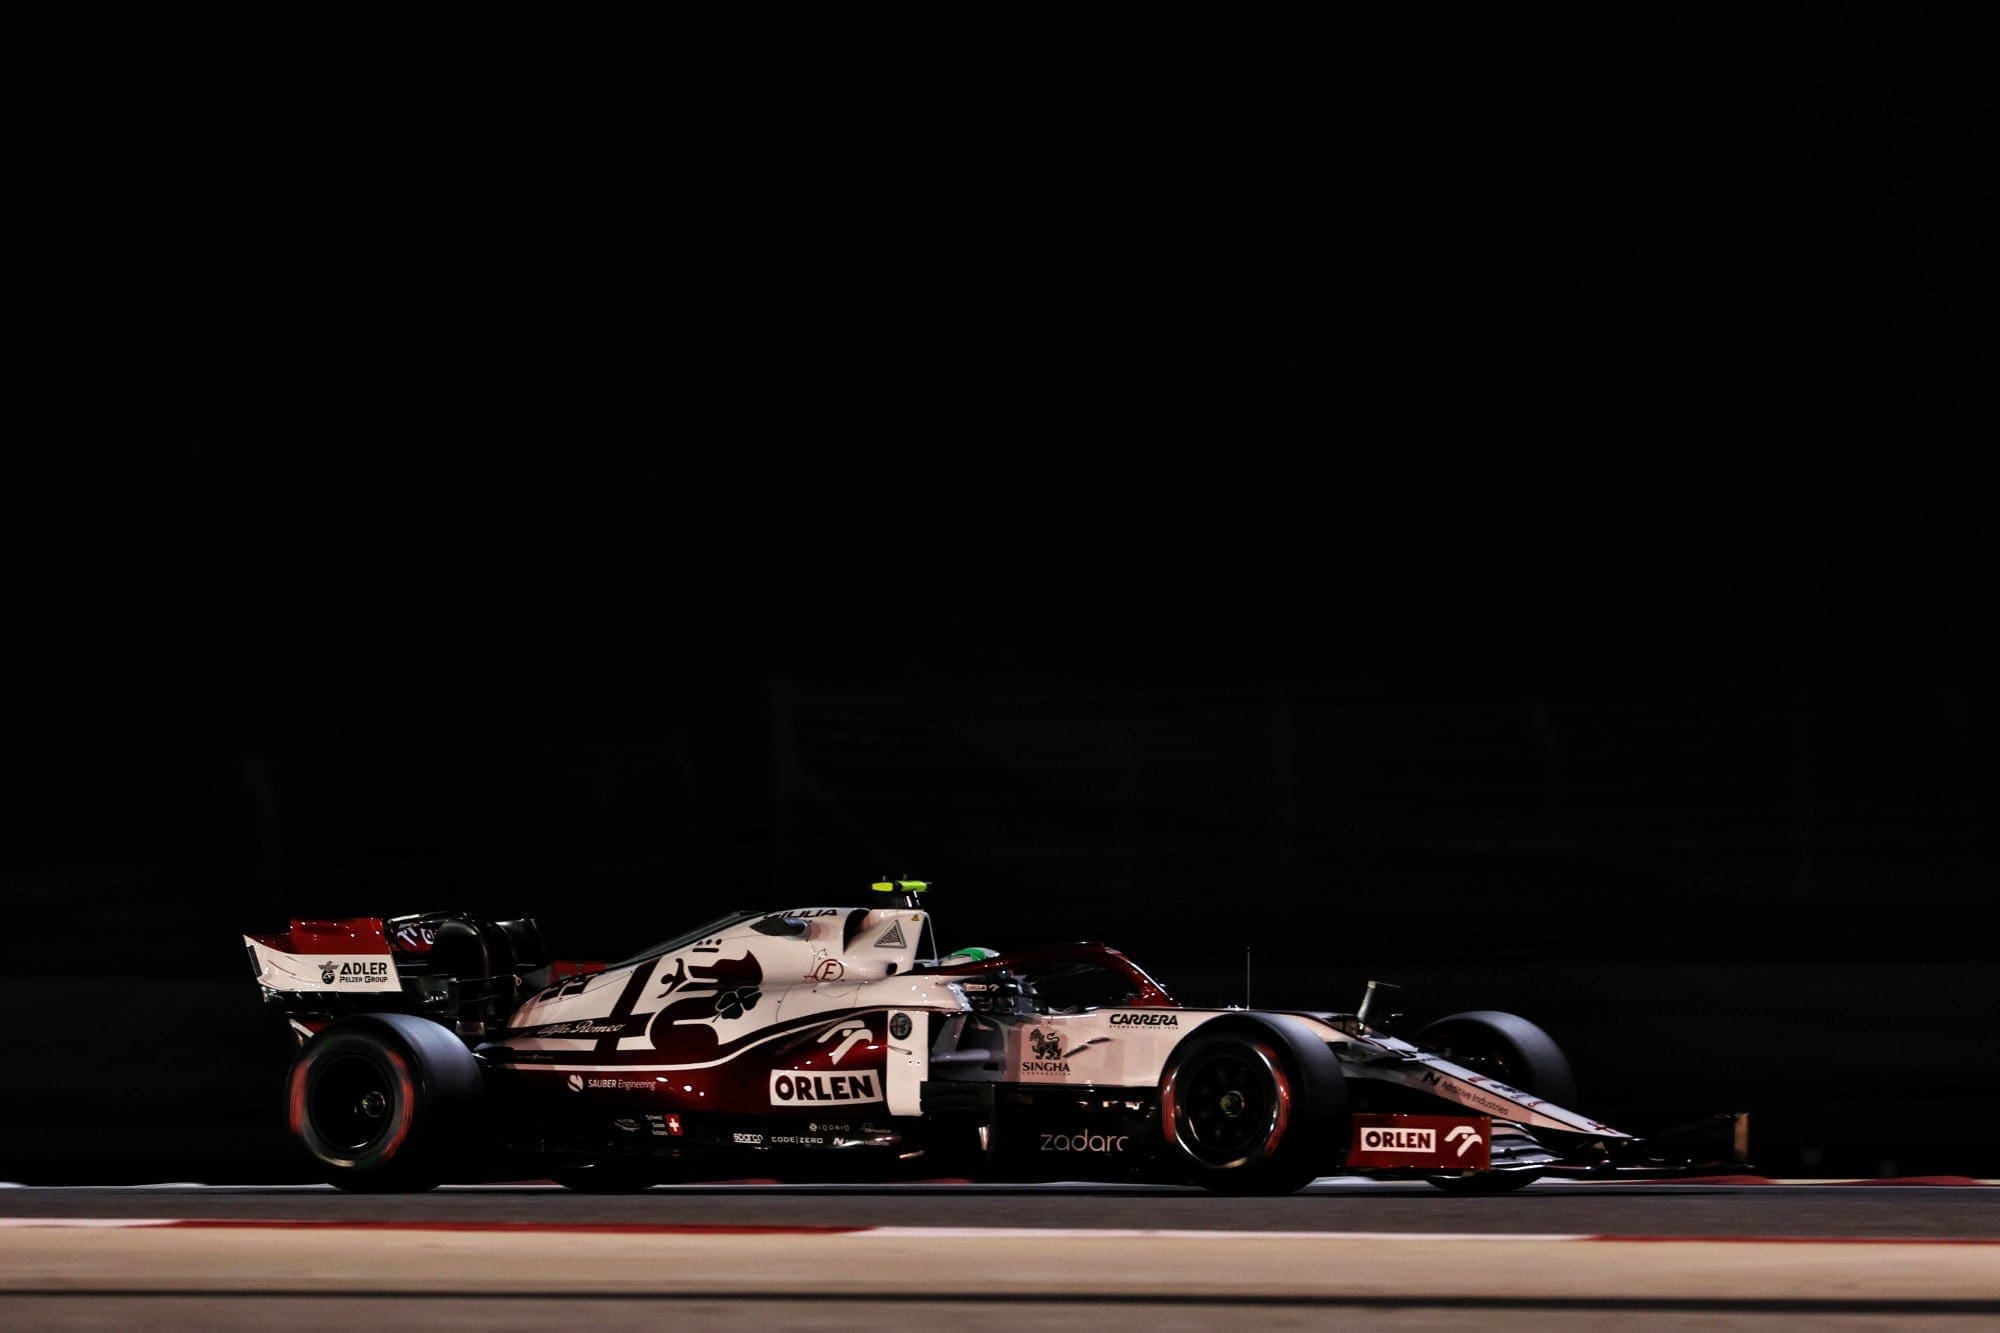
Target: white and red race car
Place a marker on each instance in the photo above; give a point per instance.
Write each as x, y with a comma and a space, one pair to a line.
819, 1042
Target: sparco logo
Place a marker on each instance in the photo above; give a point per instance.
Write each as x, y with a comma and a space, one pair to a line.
1399, 1140
791, 1089
1085, 1142
1145, 1020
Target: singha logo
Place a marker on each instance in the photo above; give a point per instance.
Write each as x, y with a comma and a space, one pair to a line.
1046, 1047
326, 972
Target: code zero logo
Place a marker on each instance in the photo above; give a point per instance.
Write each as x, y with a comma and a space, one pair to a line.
1399, 1140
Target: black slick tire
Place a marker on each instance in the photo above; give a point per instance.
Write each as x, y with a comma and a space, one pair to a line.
1251, 1105
1514, 1051
379, 1102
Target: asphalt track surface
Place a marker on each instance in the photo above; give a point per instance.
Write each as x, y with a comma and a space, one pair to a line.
1558, 1254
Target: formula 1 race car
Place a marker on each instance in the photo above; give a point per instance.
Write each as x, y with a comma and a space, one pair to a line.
836, 1041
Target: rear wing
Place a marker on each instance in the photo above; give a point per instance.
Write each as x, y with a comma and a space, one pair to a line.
461, 971
348, 955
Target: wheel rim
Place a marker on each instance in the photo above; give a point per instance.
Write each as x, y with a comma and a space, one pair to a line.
1229, 1105
352, 1104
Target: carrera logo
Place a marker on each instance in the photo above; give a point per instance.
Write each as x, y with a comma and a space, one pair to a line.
790, 1089
1145, 1020
1399, 1140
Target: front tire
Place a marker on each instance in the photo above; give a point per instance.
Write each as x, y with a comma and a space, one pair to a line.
377, 1101
1508, 1048
1248, 1107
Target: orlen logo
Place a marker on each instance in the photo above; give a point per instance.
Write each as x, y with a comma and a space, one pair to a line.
1399, 1140
789, 1089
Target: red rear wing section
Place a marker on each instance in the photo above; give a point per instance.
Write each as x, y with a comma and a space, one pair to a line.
347, 934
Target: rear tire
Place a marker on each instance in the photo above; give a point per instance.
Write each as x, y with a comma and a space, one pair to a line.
1248, 1106
379, 1101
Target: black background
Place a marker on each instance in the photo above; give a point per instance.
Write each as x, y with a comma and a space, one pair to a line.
1494, 511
